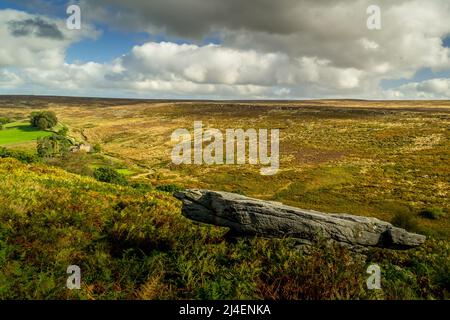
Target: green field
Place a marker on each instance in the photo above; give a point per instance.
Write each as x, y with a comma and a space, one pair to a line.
20, 132
123, 171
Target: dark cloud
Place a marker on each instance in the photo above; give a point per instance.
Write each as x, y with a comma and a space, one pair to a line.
36, 27
196, 18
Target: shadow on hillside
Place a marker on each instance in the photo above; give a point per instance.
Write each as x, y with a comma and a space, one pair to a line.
24, 128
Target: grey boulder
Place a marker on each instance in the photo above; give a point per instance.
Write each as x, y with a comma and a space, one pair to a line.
252, 217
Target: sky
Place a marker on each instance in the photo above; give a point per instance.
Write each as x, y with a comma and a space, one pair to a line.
227, 49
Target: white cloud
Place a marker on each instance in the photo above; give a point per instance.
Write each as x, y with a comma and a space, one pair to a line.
369, 45
429, 89
212, 64
205, 69
31, 41
9, 79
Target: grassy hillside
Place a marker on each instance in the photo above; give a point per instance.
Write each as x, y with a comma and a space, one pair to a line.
136, 245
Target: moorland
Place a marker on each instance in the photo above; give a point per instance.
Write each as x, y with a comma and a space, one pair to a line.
384, 159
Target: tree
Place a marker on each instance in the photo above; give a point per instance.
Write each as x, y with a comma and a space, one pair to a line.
52, 146
43, 120
106, 174
42, 124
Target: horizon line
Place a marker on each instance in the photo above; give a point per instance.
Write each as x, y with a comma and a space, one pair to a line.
215, 100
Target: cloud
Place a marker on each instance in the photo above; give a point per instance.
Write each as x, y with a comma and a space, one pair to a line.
335, 30
9, 79
218, 70
34, 26
31, 41
283, 49
212, 64
311, 37
430, 89
195, 18
212, 71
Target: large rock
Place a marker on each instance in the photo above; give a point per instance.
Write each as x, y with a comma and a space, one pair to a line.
249, 217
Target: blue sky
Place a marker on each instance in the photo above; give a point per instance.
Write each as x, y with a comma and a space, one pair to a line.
110, 45
420, 75
152, 49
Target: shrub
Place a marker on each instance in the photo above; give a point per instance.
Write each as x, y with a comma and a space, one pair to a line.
22, 156
168, 188
433, 213
52, 146
141, 186
43, 119
109, 175
405, 220
4, 120
63, 131
96, 148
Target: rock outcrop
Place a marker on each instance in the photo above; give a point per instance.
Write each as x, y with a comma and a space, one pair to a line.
250, 217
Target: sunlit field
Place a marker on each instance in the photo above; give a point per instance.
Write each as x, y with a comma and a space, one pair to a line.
18, 133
